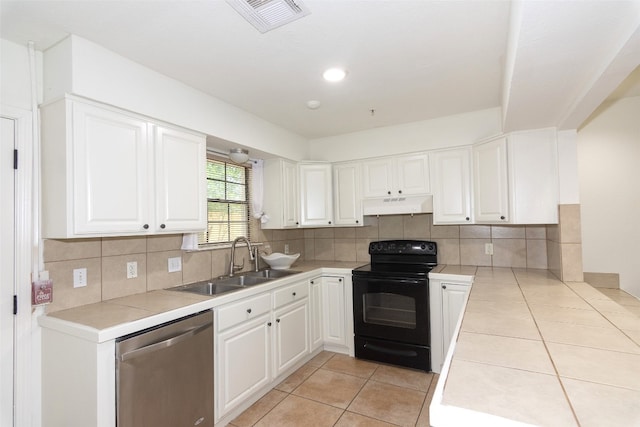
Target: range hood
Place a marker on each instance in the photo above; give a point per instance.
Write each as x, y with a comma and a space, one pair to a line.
398, 205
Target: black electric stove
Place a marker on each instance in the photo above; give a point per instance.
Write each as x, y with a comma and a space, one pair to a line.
391, 303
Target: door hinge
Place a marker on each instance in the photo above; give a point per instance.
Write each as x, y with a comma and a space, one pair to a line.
15, 159
15, 304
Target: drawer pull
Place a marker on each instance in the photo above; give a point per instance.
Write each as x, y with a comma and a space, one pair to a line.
294, 294
249, 310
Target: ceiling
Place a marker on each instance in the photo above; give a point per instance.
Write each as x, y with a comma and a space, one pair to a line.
546, 63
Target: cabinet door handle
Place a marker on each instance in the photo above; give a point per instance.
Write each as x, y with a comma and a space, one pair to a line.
388, 192
294, 294
146, 226
329, 222
312, 282
444, 286
278, 320
339, 280
269, 324
357, 222
297, 223
163, 226
502, 217
399, 191
467, 218
249, 310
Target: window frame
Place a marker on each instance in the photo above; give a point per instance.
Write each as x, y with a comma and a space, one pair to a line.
203, 237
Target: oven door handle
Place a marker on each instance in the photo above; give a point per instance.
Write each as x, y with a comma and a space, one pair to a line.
405, 353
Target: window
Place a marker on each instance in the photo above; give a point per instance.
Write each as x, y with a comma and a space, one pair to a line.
227, 202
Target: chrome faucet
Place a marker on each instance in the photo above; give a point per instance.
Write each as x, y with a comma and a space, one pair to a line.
232, 263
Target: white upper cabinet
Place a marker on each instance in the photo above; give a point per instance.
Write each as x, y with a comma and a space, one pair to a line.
107, 172
490, 186
452, 186
396, 176
281, 198
533, 177
347, 197
316, 194
180, 205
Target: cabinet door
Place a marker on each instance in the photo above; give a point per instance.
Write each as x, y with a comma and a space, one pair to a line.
452, 186
111, 190
346, 194
490, 189
453, 295
333, 305
533, 177
180, 180
412, 174
377, 178
315, 313
243, 363
290, 199
316, 195
291, 335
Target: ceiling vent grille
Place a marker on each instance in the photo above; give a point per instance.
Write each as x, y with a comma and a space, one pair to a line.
266, 15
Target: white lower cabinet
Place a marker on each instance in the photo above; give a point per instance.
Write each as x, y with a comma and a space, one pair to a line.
258, 339
315, 313
335, 313
446, 300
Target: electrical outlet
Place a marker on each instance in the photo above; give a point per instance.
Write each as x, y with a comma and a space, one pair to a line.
286, 248
79, 277
175, 264
488, 248
132, 270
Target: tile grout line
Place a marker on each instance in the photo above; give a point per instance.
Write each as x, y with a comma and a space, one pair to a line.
544, 343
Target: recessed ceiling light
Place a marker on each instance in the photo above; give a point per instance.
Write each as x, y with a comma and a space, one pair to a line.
334, 74
313, 104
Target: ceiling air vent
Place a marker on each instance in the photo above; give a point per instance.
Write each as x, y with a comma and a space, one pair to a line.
266, 15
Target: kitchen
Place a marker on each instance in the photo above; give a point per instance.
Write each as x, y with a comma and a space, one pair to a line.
141, 90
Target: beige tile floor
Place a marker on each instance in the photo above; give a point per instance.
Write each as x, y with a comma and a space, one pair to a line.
336, 390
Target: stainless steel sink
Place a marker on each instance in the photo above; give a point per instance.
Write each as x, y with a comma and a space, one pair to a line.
271, 274
220, 286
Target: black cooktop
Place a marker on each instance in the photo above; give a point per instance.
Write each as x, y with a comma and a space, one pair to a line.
404, 258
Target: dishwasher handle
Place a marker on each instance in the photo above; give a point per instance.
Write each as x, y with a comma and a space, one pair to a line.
164, 344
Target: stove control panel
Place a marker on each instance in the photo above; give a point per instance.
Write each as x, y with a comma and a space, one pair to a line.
405, 247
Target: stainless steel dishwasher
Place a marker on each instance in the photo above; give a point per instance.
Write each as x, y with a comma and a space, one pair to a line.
164, 375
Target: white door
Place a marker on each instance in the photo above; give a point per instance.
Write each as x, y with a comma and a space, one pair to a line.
333, 303
453, 295
346, 194
111, 164
452, 187
491, 197
290, 194
7, 283
180, 181
292, 335
377, 178
316, 195
413, 175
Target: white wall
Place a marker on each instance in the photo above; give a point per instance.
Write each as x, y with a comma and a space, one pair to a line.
569, 186
609, 170
15, 85
79, 66
450, 131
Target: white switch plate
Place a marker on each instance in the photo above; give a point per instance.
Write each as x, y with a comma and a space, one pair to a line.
132, 270
79, 277
175, 264
488, 248
286, 248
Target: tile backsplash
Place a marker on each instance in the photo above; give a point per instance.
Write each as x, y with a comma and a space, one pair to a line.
556, 247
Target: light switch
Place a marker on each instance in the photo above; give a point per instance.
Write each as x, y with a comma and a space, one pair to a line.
132, 270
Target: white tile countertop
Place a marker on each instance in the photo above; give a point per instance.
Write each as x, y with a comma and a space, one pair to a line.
110, 319
532, 350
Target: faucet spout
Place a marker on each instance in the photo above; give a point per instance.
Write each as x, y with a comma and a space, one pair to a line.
232, 262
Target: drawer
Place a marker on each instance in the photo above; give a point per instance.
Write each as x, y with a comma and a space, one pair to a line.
237, 312
290, 294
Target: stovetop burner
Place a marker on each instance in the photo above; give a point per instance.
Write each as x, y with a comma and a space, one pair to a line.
410, 258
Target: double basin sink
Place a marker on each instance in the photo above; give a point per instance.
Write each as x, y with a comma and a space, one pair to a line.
229, 284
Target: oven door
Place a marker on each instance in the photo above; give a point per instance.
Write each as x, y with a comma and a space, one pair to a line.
395, 309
